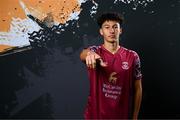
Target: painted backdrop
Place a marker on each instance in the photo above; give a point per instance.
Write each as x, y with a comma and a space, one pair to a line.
40, 41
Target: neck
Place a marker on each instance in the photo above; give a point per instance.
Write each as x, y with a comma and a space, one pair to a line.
112, 47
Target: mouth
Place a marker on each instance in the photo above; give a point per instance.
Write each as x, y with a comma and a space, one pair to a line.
112, 36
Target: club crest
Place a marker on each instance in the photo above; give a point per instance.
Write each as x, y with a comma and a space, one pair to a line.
125, 65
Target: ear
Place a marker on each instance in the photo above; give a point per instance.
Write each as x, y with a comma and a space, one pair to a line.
100, 31
121, 31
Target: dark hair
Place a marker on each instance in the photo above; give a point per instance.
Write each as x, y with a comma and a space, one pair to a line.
110, 16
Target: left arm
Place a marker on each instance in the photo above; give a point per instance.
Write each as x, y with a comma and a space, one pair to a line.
137, 98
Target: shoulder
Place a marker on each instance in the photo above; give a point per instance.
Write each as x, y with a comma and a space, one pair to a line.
94, 48
129, 51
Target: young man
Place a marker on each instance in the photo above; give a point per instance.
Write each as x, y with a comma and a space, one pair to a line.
114, 74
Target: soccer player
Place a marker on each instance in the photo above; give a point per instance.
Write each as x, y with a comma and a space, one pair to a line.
114, 74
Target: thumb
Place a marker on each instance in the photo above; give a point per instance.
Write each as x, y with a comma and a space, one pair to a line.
102, 63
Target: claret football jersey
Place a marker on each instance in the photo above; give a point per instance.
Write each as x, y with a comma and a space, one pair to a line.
111, 87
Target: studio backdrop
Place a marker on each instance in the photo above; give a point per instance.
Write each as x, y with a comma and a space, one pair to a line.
41, 75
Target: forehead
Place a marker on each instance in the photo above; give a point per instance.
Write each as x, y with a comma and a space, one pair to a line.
110, 23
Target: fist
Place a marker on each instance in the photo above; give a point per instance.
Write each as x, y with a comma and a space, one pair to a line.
92, 59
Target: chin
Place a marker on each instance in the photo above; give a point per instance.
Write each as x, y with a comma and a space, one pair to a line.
112, 41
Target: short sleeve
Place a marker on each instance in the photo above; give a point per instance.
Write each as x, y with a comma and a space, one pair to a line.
137, 67
93, 48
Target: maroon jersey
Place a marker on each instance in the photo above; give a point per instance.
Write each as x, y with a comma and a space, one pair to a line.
111, 87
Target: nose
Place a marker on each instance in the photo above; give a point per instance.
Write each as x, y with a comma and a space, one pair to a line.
112, 30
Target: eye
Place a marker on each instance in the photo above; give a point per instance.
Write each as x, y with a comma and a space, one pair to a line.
107, 27
115, 27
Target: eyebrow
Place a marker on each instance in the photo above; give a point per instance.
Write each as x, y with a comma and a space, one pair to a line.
106, 25
109, 25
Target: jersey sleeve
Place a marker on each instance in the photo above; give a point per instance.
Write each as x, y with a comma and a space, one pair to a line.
93, 48
137, 67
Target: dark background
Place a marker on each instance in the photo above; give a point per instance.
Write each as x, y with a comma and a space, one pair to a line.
50, 81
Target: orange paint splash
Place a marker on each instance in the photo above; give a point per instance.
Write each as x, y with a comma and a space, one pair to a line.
4, 47
60, 10
9, 9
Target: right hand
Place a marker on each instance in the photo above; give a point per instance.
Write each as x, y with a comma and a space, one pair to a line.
93, 58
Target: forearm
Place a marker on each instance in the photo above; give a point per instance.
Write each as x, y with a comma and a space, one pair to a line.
137, 100
83, 54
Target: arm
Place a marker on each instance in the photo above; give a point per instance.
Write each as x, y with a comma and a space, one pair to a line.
83, 54
91, 58
137, 98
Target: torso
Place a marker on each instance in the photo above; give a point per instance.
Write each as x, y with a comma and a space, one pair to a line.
111, 86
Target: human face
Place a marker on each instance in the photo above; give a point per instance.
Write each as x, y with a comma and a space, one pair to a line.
110, 31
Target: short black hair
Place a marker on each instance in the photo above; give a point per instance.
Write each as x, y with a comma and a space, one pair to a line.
114, 16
